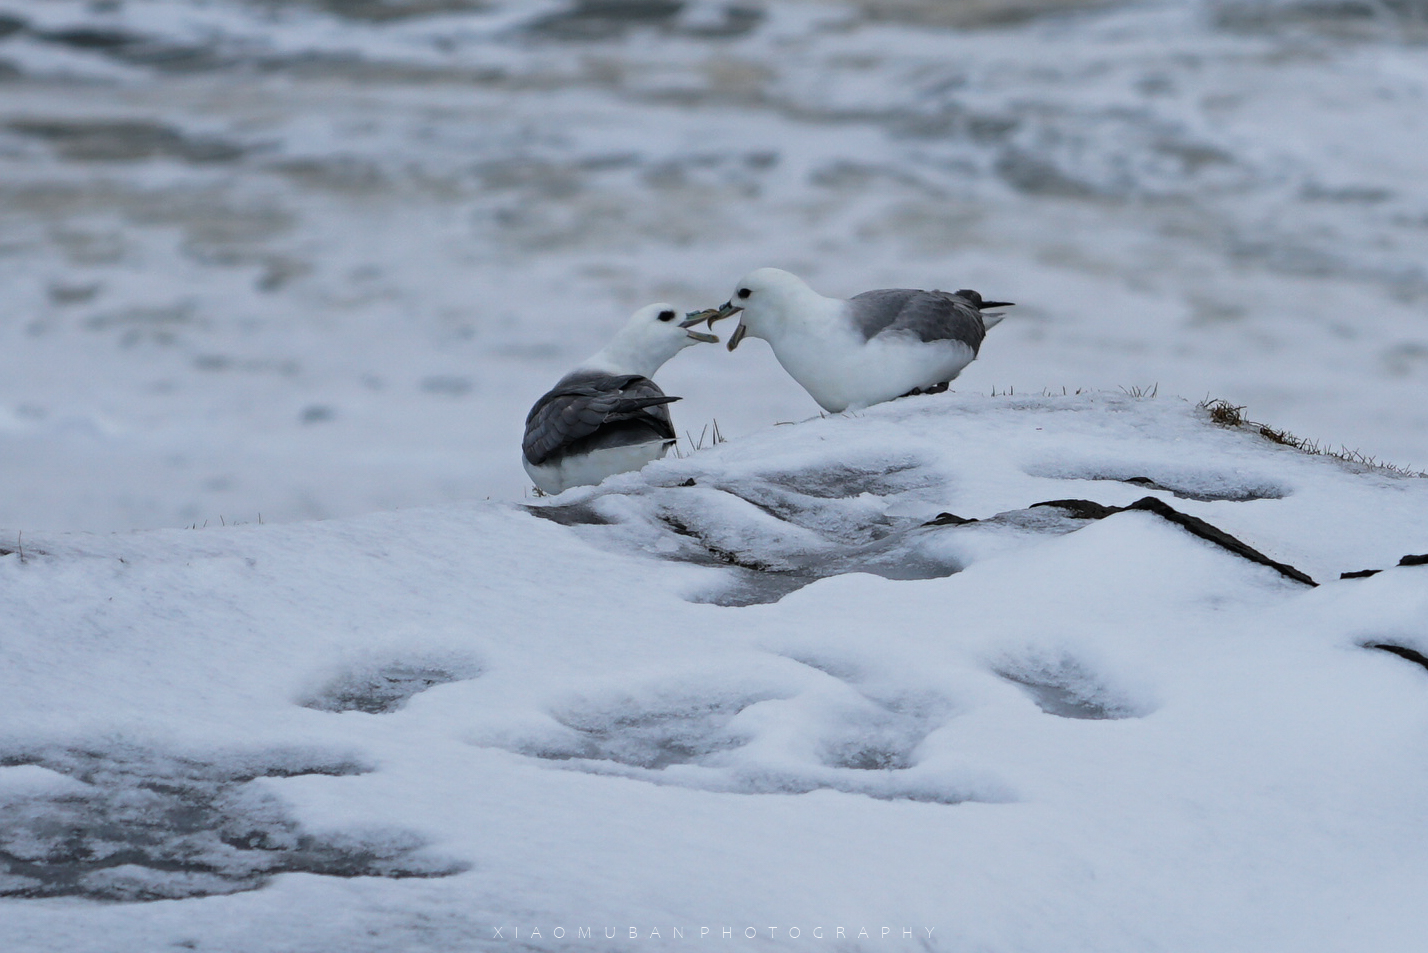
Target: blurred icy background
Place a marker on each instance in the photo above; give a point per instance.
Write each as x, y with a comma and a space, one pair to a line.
310, 258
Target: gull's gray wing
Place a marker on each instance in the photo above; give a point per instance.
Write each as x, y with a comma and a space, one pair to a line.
595, 412
931, 315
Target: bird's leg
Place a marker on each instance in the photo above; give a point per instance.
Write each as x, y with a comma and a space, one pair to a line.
912, 393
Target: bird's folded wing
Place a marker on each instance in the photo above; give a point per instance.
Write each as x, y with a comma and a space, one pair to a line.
931, 315
578, 410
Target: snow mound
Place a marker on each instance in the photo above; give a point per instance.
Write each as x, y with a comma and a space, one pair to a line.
928, 667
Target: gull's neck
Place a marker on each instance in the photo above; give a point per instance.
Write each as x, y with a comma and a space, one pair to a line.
796, 312
622, 356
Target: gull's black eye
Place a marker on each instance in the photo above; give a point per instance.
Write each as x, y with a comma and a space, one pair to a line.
744, 292
666, 315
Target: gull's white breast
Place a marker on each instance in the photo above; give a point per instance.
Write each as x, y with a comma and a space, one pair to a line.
842, 371
587, 469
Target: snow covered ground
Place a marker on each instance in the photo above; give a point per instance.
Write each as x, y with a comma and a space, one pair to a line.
837, 675
303, 265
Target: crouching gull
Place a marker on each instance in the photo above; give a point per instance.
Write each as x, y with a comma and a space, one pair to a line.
873, 347
607, 416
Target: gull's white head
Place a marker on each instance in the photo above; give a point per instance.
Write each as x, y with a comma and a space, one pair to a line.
652, 336
767, 298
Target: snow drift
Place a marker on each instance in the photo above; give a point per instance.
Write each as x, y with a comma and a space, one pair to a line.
844, 674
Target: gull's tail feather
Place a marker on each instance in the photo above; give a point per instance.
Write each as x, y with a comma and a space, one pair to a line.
990, 319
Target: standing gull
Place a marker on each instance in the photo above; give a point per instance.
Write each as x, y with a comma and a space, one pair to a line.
870, 348
607, 416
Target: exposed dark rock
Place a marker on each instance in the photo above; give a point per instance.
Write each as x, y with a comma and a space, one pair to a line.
948, 519
1410, 560
1402, 651
1081, 509
1217, 536
1086, 509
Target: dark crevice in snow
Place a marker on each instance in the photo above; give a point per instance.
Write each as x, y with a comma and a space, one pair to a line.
24, 552
718, 552
865, 747
879, 784
1402, 651
751, 588
880, 741
652, 738
773, 533
1238, 494
1066, 689
1187, 482
844, 481
387, 687
125, 824
1087, 509
871, 758
570, 514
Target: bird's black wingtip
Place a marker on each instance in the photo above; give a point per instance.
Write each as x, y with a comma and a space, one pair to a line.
977, 301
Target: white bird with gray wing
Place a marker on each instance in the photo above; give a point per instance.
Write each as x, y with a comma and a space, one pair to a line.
607, 416
850, 354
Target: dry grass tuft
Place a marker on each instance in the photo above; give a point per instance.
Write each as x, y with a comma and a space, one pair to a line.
1230, 415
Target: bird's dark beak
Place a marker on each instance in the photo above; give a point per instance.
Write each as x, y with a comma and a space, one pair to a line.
737, 336
701, 336
710, 314
995, 304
